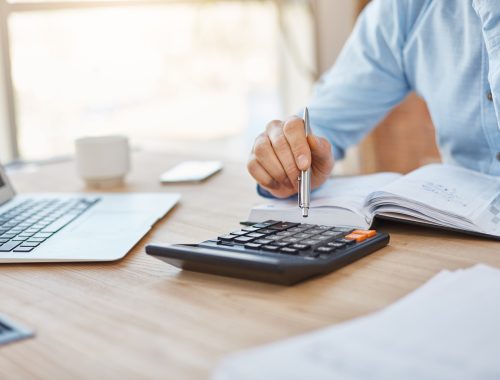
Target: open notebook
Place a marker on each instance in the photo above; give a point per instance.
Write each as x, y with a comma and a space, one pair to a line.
439, 195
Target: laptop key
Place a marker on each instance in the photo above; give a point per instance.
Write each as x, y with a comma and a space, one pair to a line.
44, 235
38, 240
9, 246
23, 249
20, 238
30, 244
59, 223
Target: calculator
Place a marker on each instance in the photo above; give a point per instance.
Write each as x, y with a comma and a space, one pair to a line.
274, 251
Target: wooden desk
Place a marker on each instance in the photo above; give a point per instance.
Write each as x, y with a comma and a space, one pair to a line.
142, 319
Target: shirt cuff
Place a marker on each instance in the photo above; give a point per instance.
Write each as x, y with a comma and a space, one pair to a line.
264, 193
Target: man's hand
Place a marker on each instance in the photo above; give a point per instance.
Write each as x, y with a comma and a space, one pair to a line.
282, 151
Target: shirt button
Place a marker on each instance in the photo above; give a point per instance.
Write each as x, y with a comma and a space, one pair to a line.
498, 156
489, 96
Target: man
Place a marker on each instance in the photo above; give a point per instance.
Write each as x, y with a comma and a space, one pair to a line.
446, 51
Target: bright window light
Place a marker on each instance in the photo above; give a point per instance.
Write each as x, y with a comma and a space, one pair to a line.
155, 73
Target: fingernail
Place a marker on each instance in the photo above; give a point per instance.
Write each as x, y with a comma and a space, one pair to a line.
302, 162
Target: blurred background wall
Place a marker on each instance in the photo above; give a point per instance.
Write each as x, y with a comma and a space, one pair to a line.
185, 76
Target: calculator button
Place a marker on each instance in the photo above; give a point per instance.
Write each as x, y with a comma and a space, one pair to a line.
346, 241
280, 243
300, 247
332, 234
238, 233
266, 231
311, 241
297, 229
282, 226
325, 227
284, 233
265, 224
274, 237
226, 237
263, 241
367, 233
357, 237
242, 239
322, 237
270, 222
252, 245
290, 251
270, 248
315, 231
250, 229
256, 235
336, 245
302, 236
325, 249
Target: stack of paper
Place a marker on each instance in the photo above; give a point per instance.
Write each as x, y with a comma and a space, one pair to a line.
447, 329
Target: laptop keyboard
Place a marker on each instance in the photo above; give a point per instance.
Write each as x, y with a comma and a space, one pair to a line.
31, 222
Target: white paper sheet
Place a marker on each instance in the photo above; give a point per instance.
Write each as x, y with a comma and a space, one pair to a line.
447, 329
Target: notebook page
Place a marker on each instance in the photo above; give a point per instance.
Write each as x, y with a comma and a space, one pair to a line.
339, 201
448, 188
447, 329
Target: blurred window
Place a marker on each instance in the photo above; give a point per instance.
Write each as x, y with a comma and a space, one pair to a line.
179, 71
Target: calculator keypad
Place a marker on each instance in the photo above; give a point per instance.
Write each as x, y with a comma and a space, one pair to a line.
306, 240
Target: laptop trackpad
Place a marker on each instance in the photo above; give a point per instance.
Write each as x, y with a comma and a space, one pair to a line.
107, 223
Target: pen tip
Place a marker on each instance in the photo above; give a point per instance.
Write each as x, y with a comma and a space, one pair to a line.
305, 212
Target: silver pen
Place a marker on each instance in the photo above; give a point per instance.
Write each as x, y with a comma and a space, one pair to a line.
305, 176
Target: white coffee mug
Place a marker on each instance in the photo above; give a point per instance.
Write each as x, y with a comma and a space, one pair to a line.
102, 161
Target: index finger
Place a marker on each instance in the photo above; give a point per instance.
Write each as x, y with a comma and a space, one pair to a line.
295, 133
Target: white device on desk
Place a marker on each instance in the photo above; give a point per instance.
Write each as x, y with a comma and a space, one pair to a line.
191, 171
41, 227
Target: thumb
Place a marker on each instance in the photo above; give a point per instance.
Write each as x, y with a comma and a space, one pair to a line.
321, 154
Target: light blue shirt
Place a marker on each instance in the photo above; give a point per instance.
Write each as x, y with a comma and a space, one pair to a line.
447, 51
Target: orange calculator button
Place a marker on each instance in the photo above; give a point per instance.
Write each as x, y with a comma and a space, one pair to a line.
367, 233
358, 237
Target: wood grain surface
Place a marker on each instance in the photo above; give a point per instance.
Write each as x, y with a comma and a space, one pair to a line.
140, 318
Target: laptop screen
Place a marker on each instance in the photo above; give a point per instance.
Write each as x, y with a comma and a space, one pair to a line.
6, 190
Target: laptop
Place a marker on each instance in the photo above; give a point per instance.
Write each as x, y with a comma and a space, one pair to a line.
53, 227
